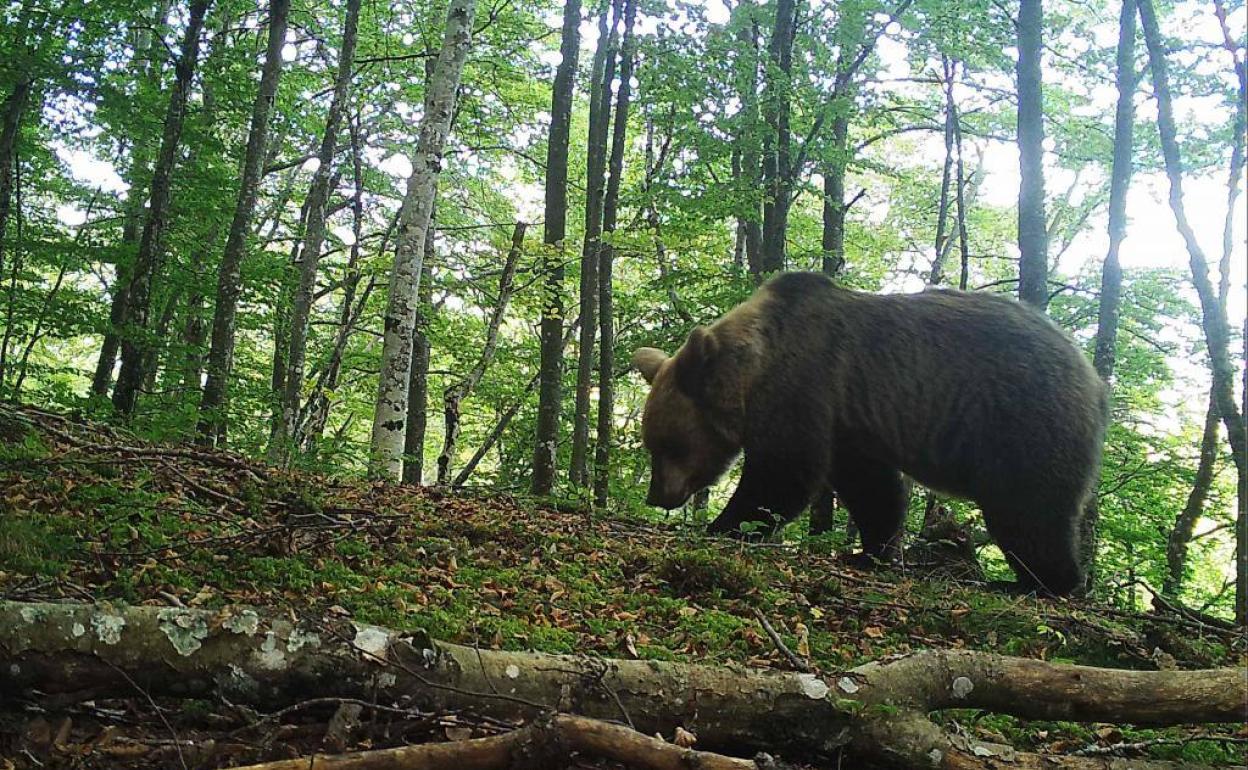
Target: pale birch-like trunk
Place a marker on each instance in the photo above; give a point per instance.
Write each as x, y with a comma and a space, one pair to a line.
390, 417
313, 239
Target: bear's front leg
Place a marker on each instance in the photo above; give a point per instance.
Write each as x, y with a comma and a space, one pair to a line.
772, 492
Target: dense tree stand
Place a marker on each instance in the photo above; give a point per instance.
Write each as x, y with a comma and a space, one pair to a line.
876, 713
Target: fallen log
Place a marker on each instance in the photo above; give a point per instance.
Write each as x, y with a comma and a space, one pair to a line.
876, 712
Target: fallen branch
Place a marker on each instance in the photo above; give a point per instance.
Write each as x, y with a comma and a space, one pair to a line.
876, 712
544, 739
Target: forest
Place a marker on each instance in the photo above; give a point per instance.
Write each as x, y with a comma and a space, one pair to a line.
326, 308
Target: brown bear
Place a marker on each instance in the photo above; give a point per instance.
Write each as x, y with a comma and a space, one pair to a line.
970, 394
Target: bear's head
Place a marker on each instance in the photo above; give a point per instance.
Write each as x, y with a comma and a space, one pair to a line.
690, 424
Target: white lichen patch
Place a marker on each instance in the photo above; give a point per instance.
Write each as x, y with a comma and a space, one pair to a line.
372, 640
14, 670
813, 687
298, 639
185, 630
270, 656
935, 756
512, 671
77, 629
387, 680
31, 615
847, 685
962, 687
246, 622
107, 627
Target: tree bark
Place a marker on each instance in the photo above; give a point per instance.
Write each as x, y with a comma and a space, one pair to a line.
212, 418
606, 308
777, 144
875, 712
1213, 312
390, 418
1033, 247
454, 396
1185, 523
11, 115
550, 368
602, 73
314, 238
749, 222
418, 383
942, 211
135, 344
1120, 183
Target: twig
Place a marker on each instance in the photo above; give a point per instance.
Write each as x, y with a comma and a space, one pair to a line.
797, 662
160, 714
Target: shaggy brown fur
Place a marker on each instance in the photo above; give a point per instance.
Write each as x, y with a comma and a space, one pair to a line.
971, 394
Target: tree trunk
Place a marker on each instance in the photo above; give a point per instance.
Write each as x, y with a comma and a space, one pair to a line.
1185, 523
1033, 247
602, 73
876, 713
1213, 313
390, 418
834, 208
964, 246
454, 396
749, 222
135, 342
606, 309
1120, 183
550, 370
418, 383
777, 170
11, 116
212, 417
314, 238
942, 211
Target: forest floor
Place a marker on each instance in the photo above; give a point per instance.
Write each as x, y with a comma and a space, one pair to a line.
90, 513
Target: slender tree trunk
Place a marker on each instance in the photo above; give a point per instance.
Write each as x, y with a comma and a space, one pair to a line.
454, 396
606, 299
777, 171
212, 418
550, 386
1213, 313
1185, 524
135, 342
749, 222
1120, 183
603, 72
149, 49
1033, 247
834, 208
11, 116
964, 245
1111, 273
390, 418
418, 387
314, 238
418, 383
942, 213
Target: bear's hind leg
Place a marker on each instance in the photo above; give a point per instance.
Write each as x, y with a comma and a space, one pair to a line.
1041, 548
876, 497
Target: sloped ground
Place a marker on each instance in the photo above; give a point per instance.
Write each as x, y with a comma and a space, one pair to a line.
90, 513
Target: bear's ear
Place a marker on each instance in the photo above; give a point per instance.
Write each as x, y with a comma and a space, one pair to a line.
695, 360
647, 361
